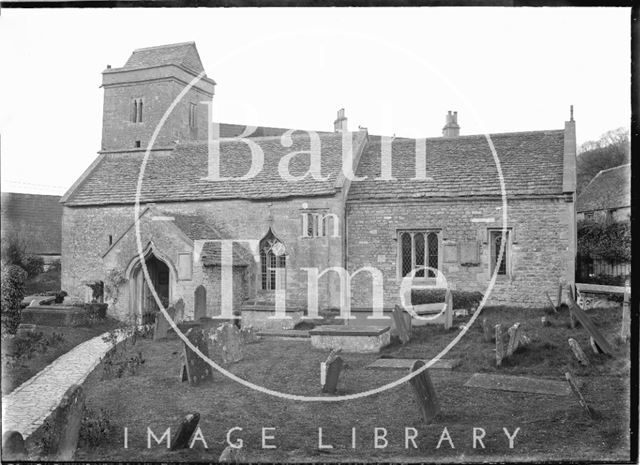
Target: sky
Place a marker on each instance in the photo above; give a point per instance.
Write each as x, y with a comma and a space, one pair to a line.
394, 70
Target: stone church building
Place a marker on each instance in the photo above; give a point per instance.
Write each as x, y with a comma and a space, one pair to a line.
432, 202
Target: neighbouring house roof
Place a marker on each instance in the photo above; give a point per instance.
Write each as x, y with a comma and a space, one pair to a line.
180, 175
34, 219
463, 166
609, 189
182, 54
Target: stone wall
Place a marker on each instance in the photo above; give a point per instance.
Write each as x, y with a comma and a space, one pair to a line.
540, 245
86, 232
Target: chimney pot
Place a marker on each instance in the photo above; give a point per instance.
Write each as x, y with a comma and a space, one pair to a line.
340, 124
108, 66
451, 128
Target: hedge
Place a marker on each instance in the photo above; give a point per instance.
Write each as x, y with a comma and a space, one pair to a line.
608, 240
461, 299
13, 279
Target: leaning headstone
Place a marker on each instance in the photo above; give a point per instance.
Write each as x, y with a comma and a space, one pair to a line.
625, 330
196, 369
594, 347
330, 371
228, 338
185, 431
582, 317
232, 455
401, 327
578, 394
13, 447
333, 370
487, 331
514, 339
161, 326
499, 345
425, 393
578, 352
553, 307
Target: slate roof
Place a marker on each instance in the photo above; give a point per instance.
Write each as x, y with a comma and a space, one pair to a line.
531, 162
35, 219
178, 176
609, 189
182, 54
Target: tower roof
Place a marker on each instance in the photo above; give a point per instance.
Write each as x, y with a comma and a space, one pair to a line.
182, 54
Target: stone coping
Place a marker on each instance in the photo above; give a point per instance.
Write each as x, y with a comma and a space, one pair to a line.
335, 330
297, 333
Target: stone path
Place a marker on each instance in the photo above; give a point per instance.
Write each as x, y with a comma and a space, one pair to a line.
25, 408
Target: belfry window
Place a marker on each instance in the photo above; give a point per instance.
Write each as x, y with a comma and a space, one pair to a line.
136, 110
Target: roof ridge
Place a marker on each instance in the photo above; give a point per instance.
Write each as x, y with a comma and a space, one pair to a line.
614, 168
469, 136
154, 47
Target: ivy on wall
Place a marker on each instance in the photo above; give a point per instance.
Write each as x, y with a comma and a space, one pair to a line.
607, 240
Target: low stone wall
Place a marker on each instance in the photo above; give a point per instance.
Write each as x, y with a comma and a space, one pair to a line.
364, 339
61, 429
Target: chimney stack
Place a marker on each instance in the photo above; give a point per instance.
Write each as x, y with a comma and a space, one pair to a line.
451, 128
340, 124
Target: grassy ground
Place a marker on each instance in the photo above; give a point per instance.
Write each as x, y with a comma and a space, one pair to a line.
14, 374
44, 282
551, 428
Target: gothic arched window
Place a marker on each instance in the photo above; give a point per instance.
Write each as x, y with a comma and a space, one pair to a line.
273, 262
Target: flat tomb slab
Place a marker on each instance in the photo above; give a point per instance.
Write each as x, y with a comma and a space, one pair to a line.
341, 330
361, 339
407, 363
54, 315
519, 384
294, 333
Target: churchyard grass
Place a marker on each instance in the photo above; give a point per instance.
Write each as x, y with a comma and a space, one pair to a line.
16, 371
551, 427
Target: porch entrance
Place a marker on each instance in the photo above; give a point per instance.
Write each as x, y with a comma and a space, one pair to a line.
144, 305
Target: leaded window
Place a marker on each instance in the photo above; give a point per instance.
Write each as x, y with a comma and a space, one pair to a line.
419, 248
272, 258
496, 243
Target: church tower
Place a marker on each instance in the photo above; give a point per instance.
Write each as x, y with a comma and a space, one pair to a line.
137, 95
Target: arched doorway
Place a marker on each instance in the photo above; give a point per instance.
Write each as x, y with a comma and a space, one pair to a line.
143, 303
200, 302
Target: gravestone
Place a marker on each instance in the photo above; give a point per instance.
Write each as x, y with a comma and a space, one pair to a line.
578, 394
185, 431
448, 311
194, 367
514, 339
228, 340
625, 330
487, 331
161, 325
401, 327
578, 352
200, 303
586, 322
424, 392
594, 347
179, 315
13, 447
499, 344
330, 370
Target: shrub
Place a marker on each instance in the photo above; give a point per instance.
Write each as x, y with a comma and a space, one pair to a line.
608, 240
33, 265
13, 279
461, 299
95, 427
